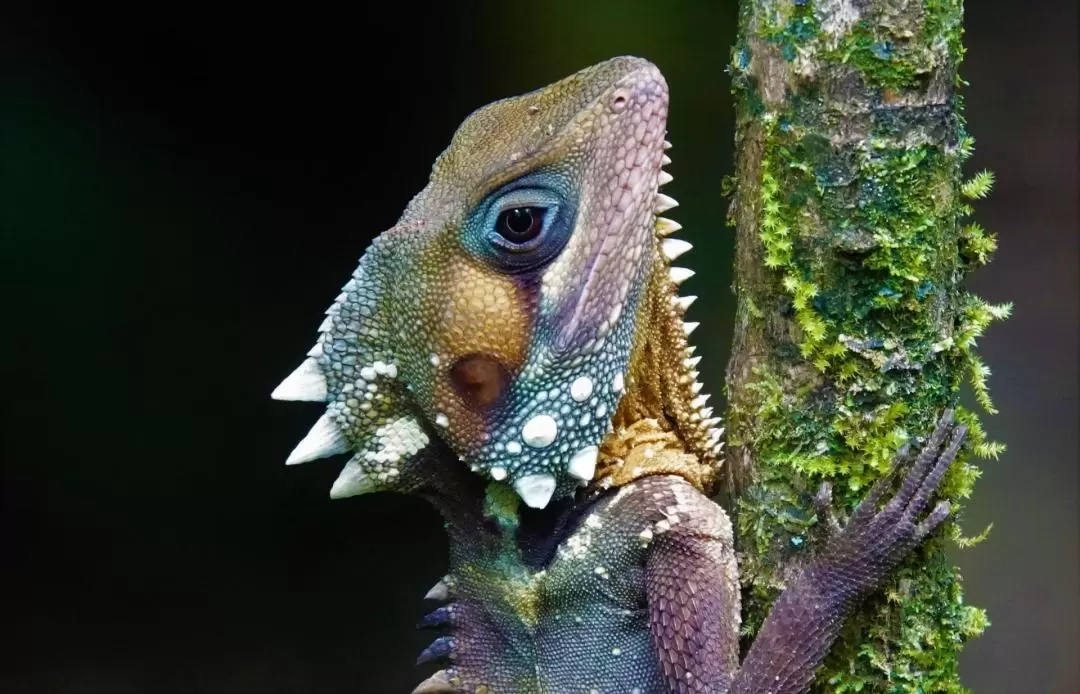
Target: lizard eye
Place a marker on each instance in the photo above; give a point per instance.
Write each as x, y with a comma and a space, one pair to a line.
523, 225
520, 224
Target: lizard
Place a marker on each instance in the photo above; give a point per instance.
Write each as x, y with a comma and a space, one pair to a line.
514, 350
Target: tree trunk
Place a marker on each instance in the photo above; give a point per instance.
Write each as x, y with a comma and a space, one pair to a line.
853, 331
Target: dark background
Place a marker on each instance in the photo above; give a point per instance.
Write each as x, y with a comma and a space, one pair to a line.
182, 193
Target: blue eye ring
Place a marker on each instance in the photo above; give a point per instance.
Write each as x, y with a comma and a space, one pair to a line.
522, 226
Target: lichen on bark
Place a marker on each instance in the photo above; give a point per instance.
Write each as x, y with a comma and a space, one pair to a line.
853, 329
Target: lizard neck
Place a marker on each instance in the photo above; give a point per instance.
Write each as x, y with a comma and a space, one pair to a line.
487, 524
662, 424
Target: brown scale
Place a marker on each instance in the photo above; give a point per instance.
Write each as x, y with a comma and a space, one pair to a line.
656, 430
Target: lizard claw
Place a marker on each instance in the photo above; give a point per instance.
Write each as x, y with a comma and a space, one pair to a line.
921, 480
933, 478
924, 476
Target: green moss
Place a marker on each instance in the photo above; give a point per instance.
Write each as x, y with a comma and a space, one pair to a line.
926, 618
789, 28
866, 241
501, 504
880, 58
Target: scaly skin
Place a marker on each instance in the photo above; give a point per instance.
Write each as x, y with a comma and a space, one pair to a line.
517, 334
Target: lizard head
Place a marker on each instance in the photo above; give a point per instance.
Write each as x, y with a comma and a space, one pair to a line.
499, 314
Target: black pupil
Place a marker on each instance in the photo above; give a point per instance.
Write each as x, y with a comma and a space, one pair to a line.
520, 224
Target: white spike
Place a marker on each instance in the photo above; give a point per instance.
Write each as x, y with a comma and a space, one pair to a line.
315, 351
690, 349
714, 436
536, 490
667, 145
665, 226
679, 275
699, 402
439, 683
665, 160
706, 412
324, 440
665, 178
326, 324
306, 384
712, 421
690, 327
694, 375
440, 591
352, 482
685, 302
665, 203
696, 387
691, 362
673, 248
583, 464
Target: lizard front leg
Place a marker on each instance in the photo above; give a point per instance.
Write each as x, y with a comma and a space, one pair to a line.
692, 588
688, 579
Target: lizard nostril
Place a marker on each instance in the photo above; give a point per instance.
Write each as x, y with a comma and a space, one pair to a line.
480, 380
619, 99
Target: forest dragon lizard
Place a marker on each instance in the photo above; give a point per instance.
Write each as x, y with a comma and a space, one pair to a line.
518, 335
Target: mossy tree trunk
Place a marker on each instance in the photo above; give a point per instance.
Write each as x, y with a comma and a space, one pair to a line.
853, 330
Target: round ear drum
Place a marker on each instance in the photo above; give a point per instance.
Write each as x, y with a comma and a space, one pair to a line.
480, 380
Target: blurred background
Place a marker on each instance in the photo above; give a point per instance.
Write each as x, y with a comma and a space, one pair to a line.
182, 193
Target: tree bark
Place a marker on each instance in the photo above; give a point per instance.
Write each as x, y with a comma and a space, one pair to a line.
853, 331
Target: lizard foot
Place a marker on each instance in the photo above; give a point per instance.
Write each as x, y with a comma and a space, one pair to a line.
877, 537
